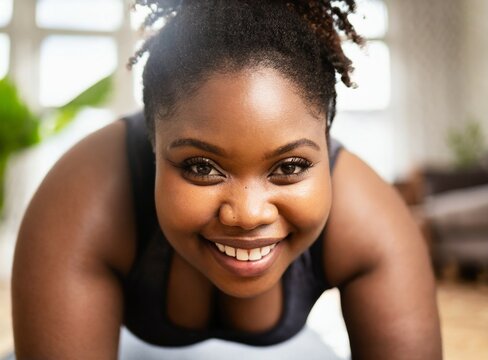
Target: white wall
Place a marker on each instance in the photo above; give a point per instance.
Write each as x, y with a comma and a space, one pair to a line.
439, 52
425, 38
439, 80
475, 61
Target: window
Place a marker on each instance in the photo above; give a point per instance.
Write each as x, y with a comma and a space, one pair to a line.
372, 64
5, 12
58, 48
363, 121
106, 15
5, 17
4, 54
70, 64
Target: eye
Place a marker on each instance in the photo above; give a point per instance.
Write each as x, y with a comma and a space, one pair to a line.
288, 169
291, 168
201, 169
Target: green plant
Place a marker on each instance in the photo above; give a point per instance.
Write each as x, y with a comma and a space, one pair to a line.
467, 144
21, 128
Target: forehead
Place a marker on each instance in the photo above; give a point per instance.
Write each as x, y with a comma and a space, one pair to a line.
258, 104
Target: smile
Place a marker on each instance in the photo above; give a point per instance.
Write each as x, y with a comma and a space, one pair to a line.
245, 254
242, 260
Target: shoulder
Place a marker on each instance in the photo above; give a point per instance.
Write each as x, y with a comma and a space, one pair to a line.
84, 204
75, 242
368, 223
375, 254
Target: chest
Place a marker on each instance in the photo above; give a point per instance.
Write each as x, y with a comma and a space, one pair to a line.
194, 303
169, 304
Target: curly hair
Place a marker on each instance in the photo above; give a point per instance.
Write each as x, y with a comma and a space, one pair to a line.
301, 39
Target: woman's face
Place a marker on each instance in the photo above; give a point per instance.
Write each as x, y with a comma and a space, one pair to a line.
242, 179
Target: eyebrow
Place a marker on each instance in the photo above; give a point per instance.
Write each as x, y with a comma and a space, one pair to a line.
292, 146
202, 145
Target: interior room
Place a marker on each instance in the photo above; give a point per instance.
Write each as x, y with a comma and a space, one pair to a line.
418, 117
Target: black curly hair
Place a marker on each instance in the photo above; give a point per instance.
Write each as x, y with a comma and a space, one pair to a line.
301, 39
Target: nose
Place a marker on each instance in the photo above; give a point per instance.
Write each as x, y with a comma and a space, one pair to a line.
248, 208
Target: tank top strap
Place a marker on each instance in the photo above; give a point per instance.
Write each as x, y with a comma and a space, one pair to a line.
335, 147
316, 250
143, 171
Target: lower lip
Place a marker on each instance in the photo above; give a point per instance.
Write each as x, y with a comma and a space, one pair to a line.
248, 268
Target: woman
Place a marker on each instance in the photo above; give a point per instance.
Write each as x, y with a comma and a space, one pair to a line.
228, 222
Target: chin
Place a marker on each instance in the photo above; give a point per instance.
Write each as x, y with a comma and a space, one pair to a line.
246, 288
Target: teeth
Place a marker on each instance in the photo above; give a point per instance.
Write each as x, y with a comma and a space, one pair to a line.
229, 250
255, 254
243, 254
221, 247
265, 250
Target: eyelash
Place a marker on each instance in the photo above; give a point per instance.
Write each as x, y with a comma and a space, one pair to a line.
187, 165
295, 161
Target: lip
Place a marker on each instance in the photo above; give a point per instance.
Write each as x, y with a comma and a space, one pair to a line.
245, 243
246, 268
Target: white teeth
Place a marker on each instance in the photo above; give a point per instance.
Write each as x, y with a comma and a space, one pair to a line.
242, 255
265, 250
229, 250
255, 254
221, 247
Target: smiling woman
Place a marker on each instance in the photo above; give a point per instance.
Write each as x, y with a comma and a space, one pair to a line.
239, 187
216, 213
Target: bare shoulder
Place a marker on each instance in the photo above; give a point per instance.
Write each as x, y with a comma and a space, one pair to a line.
369, 222
86, 199
75, 242
374, 253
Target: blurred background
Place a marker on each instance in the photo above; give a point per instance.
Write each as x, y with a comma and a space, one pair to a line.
419, 117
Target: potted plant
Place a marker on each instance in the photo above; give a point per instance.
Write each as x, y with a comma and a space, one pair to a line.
467, 145
21, 128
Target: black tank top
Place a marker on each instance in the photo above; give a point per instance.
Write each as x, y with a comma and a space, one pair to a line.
145, 285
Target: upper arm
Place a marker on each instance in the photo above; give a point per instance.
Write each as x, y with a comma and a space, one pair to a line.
76, 236
375, 254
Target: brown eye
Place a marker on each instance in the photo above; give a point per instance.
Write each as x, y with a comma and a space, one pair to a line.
202, 169
288, 169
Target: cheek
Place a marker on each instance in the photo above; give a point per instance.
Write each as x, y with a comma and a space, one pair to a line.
181, 206
306, 206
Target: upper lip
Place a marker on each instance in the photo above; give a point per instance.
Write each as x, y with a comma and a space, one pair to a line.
245, 243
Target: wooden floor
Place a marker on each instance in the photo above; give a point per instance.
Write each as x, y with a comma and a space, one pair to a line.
464, 320
463, 309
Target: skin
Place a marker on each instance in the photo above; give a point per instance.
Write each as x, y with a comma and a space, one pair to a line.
373, 251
